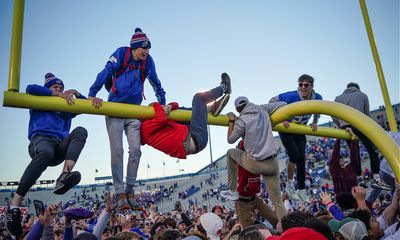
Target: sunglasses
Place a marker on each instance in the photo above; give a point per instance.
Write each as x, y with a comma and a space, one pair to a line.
306, 85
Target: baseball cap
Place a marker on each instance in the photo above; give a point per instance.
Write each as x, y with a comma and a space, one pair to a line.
241, 101
212, 224
349, 228
299, 233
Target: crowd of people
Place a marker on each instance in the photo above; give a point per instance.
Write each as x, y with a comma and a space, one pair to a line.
268, 204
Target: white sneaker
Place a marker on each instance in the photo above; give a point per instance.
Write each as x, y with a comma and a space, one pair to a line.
228, 194
303, 195
292, 193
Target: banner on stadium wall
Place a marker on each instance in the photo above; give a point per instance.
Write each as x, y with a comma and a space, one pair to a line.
40, 182
3, 211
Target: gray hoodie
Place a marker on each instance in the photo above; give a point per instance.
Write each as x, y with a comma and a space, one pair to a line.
354, 98
254, 126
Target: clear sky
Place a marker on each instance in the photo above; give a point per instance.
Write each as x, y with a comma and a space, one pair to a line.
263, 45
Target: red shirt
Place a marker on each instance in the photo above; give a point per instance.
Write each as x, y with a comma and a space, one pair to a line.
163, 134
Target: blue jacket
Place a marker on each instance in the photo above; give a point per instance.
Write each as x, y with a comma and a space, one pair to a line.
48, 123
294, 96
129, 84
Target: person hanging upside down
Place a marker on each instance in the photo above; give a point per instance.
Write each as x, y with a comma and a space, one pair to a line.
179, 140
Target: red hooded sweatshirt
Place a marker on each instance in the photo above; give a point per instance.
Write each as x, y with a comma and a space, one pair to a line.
163, 134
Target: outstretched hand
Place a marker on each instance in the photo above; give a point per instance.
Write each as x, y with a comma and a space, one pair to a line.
45, 217
49, 214
325, 197
359, 193
110, 206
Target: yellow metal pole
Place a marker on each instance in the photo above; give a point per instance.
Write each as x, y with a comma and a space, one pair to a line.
16, 46
378, 66
23, 100
362, 122
355, 118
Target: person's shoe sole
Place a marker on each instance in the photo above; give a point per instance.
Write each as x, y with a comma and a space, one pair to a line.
227, 80
221, 104
69, 182
377, 186
228, 196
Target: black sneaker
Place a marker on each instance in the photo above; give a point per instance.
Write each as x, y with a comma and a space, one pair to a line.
381, 185
14, 218
66, 181
219, 105
226, 83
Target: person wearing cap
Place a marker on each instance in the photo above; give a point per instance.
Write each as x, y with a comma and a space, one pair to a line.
212, 224
179, 140
51, 143
248, 201
123, 76
349, 228
299, 233
295, 144
355, 98
254, 126
386, 225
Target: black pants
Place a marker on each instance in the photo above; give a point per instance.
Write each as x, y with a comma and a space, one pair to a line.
47, 151
373, 155
295, 146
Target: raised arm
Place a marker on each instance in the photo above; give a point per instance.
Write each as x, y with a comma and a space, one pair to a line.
154, 81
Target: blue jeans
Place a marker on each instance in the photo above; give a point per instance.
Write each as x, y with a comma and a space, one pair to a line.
198, 124
48, 151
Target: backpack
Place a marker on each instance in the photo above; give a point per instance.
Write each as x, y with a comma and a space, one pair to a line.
110, 83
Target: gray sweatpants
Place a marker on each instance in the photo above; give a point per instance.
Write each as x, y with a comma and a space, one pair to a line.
115, 128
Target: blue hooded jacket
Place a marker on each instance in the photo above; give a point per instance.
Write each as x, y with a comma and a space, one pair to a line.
48, 123
129, 86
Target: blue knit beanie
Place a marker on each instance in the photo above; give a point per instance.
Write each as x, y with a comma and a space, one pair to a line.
50, 80
139, 39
